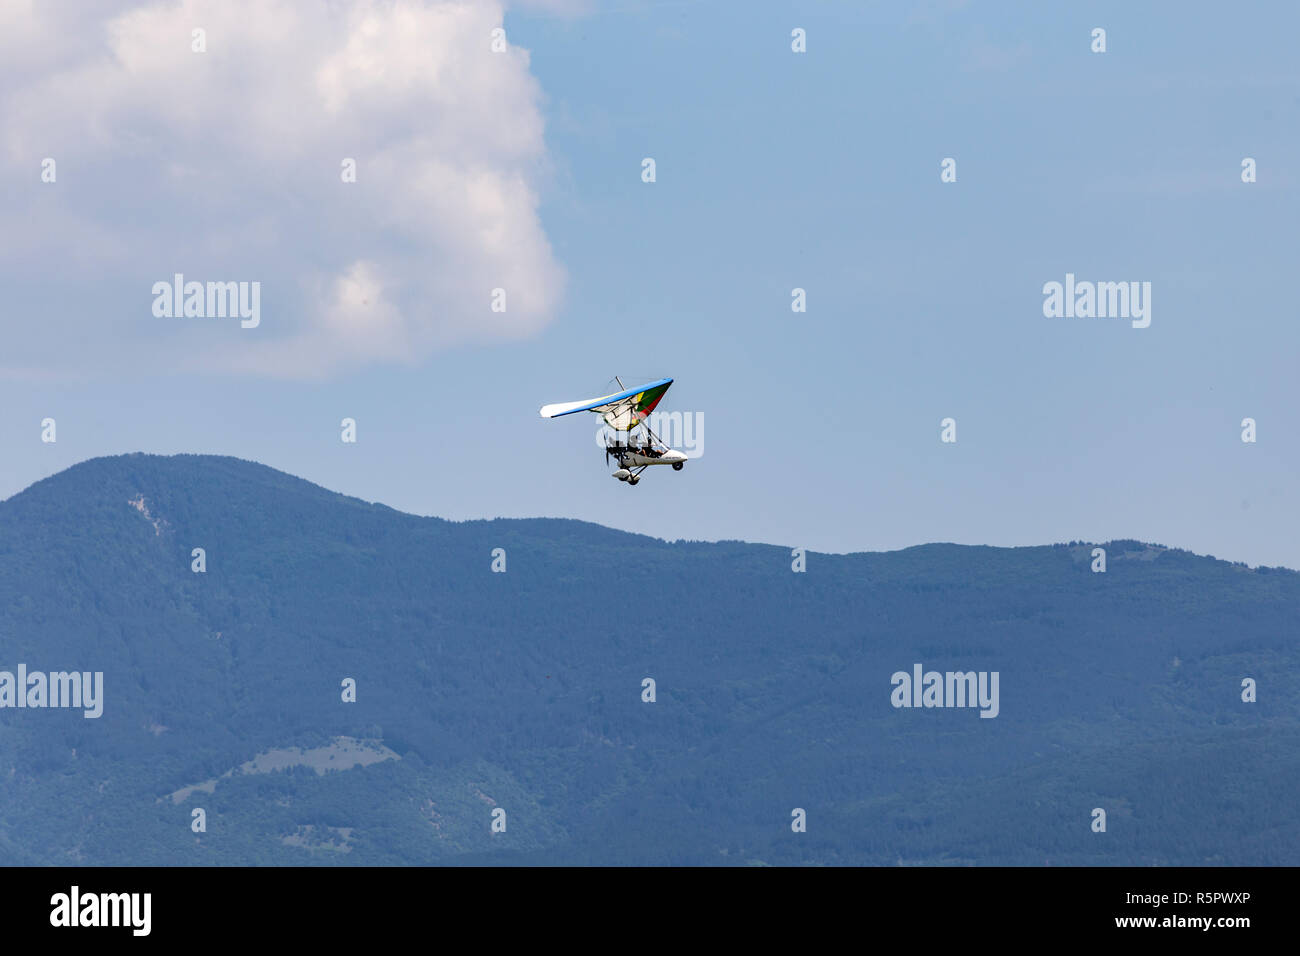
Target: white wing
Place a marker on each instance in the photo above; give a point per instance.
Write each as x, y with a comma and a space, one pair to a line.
598, 404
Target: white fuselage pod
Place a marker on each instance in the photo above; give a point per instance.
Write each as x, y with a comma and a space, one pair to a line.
633, 459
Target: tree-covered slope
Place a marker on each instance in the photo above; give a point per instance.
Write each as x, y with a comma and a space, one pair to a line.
523, 690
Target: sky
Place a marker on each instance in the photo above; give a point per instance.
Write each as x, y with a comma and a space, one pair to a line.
523, 169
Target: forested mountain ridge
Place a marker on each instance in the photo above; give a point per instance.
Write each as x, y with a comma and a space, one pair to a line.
523, 690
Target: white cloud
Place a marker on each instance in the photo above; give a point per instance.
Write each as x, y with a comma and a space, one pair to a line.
226, 165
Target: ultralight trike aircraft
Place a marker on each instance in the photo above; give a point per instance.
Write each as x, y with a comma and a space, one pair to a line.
625, 412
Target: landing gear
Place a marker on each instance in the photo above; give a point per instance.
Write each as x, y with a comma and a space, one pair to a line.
677, 465
634, 479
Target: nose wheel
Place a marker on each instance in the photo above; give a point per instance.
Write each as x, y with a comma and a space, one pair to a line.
677, 465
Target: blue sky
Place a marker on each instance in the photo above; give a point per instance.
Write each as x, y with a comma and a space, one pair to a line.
775, 170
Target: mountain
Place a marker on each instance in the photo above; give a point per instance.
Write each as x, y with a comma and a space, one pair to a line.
477, 690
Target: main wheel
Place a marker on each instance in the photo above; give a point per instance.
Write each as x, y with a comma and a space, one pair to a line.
677, 465
634, 480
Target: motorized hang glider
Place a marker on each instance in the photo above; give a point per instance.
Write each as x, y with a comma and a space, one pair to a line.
625, 412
